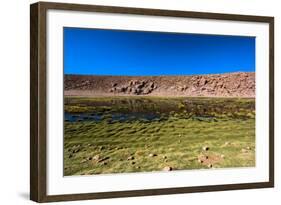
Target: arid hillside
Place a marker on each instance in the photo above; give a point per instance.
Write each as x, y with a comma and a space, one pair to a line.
238, 84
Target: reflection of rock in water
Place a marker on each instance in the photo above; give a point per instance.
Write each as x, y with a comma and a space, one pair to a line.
114, 117
154, 109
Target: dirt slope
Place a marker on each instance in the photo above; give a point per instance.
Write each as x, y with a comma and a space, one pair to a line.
238, 84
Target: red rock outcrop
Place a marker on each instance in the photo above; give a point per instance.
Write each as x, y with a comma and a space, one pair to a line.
239, 84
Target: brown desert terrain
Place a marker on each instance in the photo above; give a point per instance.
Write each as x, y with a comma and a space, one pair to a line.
239, 84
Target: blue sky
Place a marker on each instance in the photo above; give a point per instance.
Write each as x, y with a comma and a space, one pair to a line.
116, 52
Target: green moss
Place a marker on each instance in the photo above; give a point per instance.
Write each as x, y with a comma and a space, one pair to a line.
75, 109
176, 138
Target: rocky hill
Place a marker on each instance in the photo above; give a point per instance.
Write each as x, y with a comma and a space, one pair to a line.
240, 84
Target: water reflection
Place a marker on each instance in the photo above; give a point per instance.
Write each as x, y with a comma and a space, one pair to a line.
157, 109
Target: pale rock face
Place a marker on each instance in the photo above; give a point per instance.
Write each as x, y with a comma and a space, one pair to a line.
215, 85
167, 168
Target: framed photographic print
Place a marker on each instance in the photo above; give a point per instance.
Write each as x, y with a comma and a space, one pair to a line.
134, 102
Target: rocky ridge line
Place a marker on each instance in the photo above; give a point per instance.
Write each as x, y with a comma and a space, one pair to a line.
216, 85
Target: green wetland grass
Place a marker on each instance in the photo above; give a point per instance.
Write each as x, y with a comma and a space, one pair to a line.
141, 134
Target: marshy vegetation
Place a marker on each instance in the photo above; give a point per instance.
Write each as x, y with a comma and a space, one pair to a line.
138, 134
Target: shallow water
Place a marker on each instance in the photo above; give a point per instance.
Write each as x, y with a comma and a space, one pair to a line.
114, 117
116, 109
